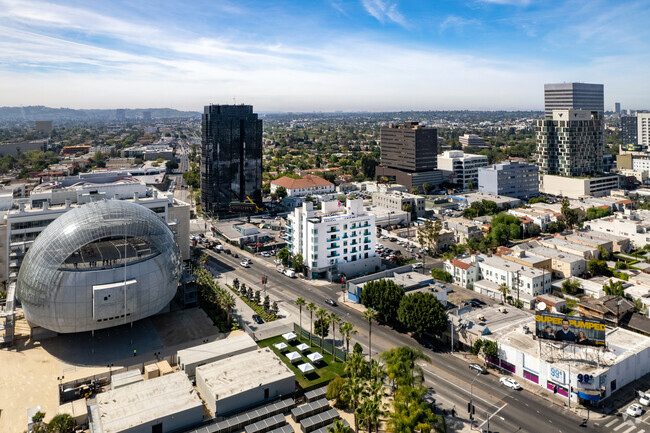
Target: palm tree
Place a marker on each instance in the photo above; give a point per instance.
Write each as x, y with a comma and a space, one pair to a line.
369, 315
311, 307
204, 259
322, 315
353, 390
227, 303
334, 320
348, 330
504, 290
339, 427
300, 302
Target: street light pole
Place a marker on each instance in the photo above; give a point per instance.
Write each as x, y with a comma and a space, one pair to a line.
471, 397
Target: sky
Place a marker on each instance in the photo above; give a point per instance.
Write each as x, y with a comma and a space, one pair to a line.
320, 55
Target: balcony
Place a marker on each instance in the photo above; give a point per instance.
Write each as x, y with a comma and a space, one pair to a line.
333, 230
366, 240
366, 233
335, 238
333, 246
333, 255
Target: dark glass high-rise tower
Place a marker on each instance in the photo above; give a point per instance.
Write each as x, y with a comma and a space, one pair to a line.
576, 96
231, 157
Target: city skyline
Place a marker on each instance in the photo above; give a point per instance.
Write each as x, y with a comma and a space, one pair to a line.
364, 55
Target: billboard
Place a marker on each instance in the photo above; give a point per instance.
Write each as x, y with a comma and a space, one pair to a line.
569, 329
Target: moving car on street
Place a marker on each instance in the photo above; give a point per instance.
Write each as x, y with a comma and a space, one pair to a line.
510, 383
331, 302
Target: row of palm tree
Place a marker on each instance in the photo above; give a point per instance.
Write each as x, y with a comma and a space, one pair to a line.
213, 292
346, 328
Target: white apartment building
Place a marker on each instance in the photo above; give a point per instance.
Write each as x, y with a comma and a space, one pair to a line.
518, 278
540, 217
643, 129
398, 201
461, 168
334, 240
472, 140
634, 225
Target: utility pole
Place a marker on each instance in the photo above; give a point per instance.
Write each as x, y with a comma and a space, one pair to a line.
451, 326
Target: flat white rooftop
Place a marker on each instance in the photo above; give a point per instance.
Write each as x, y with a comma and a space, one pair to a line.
149, 400
216, 349
240, 373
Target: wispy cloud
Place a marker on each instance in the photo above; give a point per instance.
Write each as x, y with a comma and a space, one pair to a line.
453, 21
384, 11
508, 2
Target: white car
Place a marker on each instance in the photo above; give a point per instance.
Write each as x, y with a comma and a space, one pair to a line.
266, 254
383, 237
417, 265
280, 270
645, 399
244, 264
510, 383
634, 410
277, 261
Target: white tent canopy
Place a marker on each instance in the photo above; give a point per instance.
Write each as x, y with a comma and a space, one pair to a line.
302, 347
289, 336
293, 356
306, 367
314, 357
280, 346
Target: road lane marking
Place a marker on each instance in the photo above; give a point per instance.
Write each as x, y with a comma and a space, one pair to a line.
611, 423
466, 383
623, 424
475, 396
492, 416
630, 429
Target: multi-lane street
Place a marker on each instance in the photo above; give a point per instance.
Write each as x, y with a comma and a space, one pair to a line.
447, 374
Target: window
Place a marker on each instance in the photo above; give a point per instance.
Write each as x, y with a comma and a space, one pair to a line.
157, 428
266, 393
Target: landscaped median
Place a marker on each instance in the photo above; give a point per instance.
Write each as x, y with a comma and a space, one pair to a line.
325, 370
249, 298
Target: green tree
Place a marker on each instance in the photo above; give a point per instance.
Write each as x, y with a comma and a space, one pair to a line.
281, 192
555, 227
401, 365
298, 263
192, 178
441, 275
383, 296
284, 255
533, 230
62, 423
604, 254
336, 392
598, 267
171, 165
491, 349
422, 313
428, 235
322, 324
369, 315
537, 200
427, 187
415, 190
614, 288
571, 216
503, 228
334, 320
267, 303
266, 188
571, 286
598, 212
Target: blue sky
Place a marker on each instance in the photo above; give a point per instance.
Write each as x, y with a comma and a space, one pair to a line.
313, 55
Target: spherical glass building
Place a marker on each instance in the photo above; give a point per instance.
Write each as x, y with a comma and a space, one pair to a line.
102, 264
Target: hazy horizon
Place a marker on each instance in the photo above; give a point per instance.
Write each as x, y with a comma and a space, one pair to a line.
320, 56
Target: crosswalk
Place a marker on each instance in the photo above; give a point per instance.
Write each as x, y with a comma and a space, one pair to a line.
629, 425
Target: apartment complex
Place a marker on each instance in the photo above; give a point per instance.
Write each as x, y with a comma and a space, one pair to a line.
338, 239
231, 157
408, 154
579, 96
634, 225
629, 133
571, 143
512, 179
461, 168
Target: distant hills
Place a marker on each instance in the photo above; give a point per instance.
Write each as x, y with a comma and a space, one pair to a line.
38, 112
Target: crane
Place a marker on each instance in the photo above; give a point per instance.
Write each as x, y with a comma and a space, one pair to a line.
259, 209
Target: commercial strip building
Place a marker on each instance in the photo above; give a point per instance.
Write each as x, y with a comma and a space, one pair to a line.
242, 381
556, 367
334, 240
500, 200
461, 168
307, 185
408, 155
511, 179
231, 157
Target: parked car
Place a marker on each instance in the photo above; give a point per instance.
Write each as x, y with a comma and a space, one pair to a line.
331, 302
219, 247
478, 368
266, 254
634, 410
645, 399
477, 300
280, 270
235, 255
510, 383
258, 319
227, 251
290, 273
392, 239
417, 265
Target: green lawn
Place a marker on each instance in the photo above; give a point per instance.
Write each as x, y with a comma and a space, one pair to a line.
326, 370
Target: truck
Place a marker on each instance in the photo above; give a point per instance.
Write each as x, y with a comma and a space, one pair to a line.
290, 273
